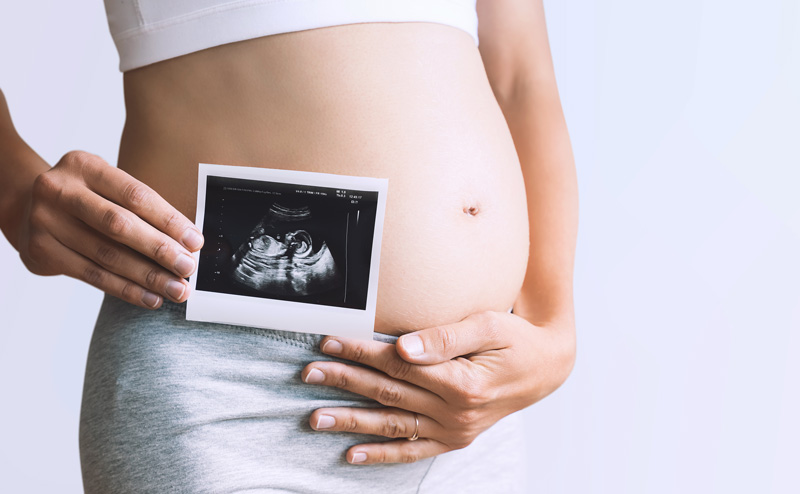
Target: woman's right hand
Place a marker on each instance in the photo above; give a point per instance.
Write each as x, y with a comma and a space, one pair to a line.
91, 221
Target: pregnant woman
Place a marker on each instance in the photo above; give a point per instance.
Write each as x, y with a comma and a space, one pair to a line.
481, 215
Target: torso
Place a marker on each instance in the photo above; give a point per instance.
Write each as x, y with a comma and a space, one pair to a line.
405, 101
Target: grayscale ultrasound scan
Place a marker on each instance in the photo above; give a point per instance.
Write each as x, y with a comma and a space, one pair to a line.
282, 258
289, 242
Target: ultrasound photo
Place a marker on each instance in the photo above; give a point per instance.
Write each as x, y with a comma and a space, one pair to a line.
288, 242
288, 250
281, 257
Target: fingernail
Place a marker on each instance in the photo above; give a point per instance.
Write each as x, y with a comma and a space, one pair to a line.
150, 299
175, 289
359, 458
315, 376
332, 346
325, 422
413, 345
184, 265
192, 239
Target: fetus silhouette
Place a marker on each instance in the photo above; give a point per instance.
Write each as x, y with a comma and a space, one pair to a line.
282, 258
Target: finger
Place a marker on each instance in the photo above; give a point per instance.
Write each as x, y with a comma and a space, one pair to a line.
83, 269
373, 384
474, 334
126, 228
400, 451
384, 357
119, 259
120, 187
388, 422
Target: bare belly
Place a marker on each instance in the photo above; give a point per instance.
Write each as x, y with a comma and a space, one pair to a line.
405, 101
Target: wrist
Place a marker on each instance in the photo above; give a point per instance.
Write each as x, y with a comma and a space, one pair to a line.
19, 167
566, 351
553, 345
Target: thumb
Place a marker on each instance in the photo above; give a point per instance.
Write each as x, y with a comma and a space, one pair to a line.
474, 334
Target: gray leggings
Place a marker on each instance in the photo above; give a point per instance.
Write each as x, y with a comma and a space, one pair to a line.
171, 405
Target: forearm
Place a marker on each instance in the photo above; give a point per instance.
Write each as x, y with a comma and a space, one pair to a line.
537, 125
19, 167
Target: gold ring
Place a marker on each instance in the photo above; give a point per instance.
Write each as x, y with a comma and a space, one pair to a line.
416, 428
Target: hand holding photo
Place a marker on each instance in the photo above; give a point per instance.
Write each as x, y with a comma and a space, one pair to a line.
288, 250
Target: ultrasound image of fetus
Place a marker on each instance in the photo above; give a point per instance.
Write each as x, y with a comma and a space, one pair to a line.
281, 256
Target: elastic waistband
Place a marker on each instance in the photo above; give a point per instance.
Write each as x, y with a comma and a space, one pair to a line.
178, 311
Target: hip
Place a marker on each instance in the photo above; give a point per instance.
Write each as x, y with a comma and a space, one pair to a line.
200, 407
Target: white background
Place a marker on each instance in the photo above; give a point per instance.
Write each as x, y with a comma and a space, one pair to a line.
685, 119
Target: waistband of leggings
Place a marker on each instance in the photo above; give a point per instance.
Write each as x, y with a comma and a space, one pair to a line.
308, 338
313, 339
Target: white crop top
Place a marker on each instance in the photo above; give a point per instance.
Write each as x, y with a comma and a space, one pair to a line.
148, 31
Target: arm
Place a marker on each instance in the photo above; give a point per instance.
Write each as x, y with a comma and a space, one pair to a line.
19, 167
519, 66
445, 385
93, 222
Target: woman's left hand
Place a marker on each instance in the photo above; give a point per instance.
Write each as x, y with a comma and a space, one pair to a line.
459, 379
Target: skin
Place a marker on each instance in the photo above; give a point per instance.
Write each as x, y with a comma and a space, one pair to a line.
101, 225
462, 378
415, 107
90, 221
97, 224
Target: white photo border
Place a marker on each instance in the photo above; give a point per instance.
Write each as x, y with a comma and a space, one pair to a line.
223, 308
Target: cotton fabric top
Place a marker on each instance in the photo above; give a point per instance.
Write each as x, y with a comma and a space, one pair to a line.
149, 31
